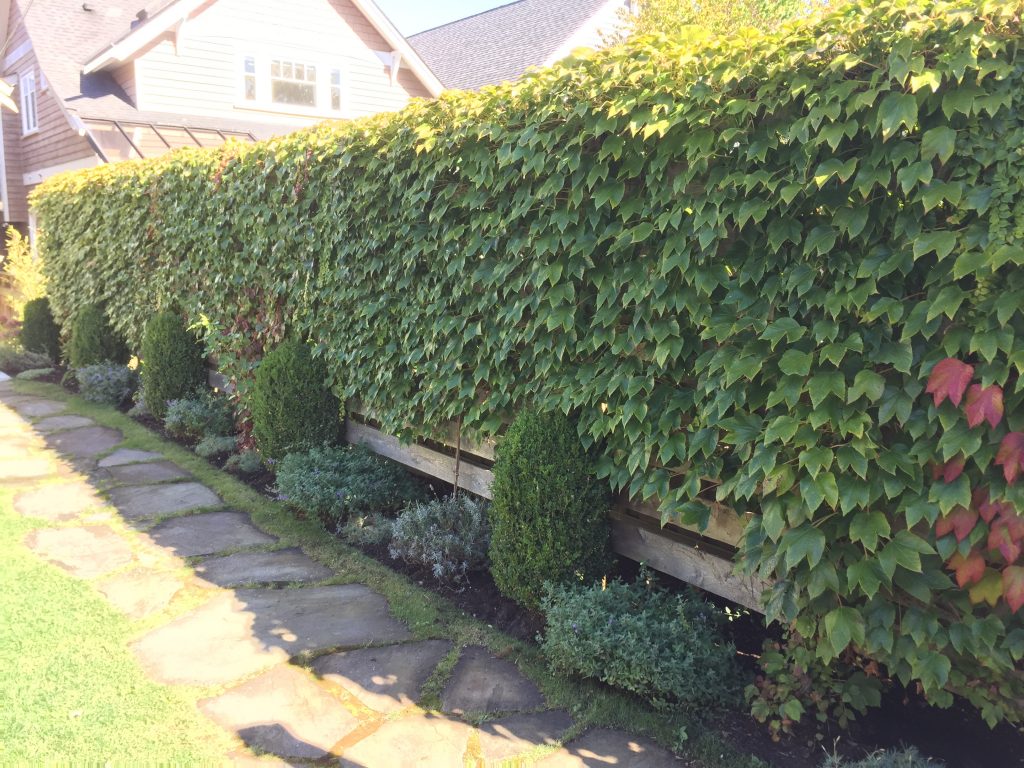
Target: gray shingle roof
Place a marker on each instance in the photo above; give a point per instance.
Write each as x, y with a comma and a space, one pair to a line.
65, 36
500, 44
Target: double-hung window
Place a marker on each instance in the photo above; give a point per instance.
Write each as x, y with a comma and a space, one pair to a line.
29, 114
291, 84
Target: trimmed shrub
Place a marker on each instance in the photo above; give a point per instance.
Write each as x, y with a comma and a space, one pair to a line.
332, 483
292, 406
666, 648
216, 445
93, 340
39, 331
549, 511
107, 383
205, 415
174, 364
449, 536
14, 359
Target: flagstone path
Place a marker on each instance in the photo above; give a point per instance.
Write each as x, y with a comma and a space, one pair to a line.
239, 615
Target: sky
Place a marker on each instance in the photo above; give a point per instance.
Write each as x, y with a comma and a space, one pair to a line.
416, 15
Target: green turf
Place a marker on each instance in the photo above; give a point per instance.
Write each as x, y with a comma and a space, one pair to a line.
70, 689
428, 614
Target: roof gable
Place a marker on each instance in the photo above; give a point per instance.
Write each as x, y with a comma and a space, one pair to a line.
500, 44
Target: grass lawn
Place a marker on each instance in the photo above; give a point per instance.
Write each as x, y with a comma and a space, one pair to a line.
70, 689
427, 614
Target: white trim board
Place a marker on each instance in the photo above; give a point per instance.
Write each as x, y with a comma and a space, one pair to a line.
35, 177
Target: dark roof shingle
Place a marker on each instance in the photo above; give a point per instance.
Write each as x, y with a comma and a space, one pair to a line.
500, 44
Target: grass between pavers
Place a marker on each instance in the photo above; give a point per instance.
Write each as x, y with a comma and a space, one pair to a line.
427, 614
70, 689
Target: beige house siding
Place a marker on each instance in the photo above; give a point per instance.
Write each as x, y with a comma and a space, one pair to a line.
53, 144
199, 69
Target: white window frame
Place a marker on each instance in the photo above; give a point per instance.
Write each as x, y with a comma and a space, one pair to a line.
29, 103
264, 98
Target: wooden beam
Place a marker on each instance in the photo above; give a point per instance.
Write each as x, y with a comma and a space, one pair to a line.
661, 552
724, 525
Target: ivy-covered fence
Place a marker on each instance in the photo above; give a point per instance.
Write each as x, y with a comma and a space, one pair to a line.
741, 262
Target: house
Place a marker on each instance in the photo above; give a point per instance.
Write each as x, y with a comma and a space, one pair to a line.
500, 44
103, 80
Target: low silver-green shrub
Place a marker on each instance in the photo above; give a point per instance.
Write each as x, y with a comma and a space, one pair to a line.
14, 359
34, 373
216, 445
245, 463
890, 758
449, 536
666, 648
108, 383
202, 416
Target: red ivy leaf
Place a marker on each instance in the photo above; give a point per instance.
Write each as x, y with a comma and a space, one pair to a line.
1001, 538
963, 520
969, 570
949, 378
1010, 455
1013, 587
953, 468
984, 405
985, 506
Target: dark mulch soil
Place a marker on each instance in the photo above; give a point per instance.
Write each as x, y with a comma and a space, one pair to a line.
957, 736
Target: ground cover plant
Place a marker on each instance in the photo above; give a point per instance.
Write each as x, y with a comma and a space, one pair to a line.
14, 359
107, 383
780, 272
448, 536
203, 415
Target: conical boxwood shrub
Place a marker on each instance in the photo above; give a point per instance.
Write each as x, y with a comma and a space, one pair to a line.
174, 364
291, 404
549, 511
39, 331
93, 340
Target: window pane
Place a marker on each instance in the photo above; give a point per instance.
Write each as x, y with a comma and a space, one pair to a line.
275, 69
250, 87
286, 69
207, 138
311, 74
176, 137
335, 77
250, 65
303, 94
336, 99
110, 140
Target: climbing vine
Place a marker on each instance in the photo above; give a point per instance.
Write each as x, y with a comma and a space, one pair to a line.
744, 262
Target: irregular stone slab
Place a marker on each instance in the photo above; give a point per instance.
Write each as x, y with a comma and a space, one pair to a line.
127, 456
27, 469
385, 679
18, 446
85, 443
34, 408
151, 472
282, 566
282, 712
210, 646
422, 740
144, 501
62, 501
517, 734
83, 552
208, 533
139, 593
314, 618
607, 747
481, 682
58, 423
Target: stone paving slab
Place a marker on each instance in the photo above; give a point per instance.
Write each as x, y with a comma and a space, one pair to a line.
60, 501
315, 618
481, 682
518, 734
127, 456
58, 423
283, 712
139, 502
384, 679
208, 533
149, 472
27, 469
282, 566
601, 746
139, 593
86, 442
422, 740
84, 552
35, 408
209, 646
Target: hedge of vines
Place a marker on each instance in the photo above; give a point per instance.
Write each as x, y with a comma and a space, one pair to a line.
741, 261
